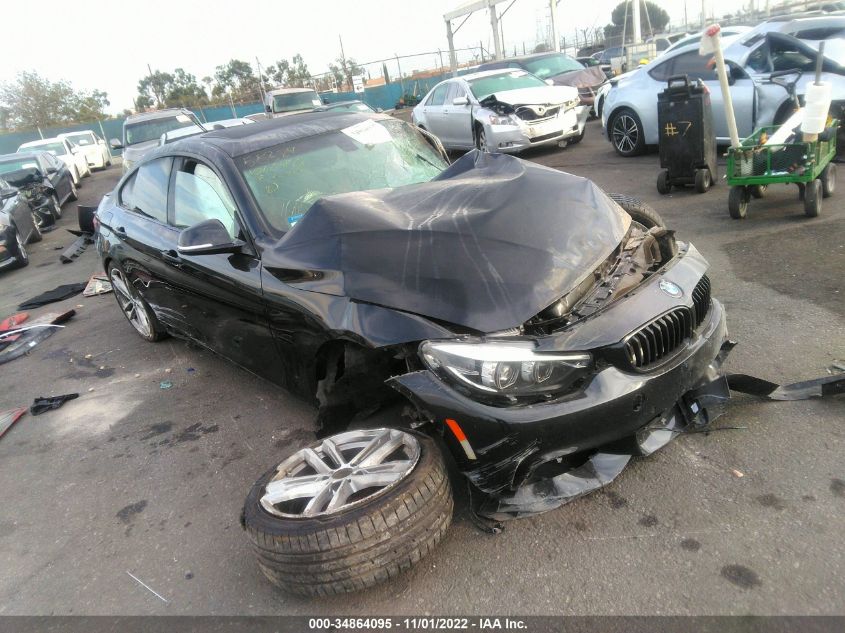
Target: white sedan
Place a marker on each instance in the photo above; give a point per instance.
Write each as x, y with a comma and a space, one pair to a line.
95, 149
63, 150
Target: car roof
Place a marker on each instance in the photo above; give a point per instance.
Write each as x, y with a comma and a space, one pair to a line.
7, 158
43, 141
284, 91
244, 139
156, 114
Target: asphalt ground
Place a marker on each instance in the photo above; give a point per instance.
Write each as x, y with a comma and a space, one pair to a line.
133, 478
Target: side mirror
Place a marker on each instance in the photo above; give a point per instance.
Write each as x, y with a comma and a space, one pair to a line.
207, 238
115, 144
550, 82
460, 101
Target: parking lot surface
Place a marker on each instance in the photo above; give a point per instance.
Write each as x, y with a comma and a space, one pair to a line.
135, 479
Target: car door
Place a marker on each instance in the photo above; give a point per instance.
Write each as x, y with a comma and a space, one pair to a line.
58, 175
218, 296
433, 111
457, 119
696, 66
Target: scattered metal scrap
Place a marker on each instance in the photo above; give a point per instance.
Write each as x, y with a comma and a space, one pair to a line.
85, 235
97, 285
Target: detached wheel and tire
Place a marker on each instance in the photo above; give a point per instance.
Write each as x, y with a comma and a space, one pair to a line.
626, 133
738, 202
813, 193
349, 512
638, 210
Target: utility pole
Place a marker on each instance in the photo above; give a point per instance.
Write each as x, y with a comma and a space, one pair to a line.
494, 25
638, 35
343, 63
553, 22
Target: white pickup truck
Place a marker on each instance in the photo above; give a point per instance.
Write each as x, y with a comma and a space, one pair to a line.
284, 101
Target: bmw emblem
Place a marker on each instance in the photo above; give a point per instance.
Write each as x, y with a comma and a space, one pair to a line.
671, 288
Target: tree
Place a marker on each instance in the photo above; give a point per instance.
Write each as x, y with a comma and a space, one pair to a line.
237, 78
155, 86
650, 13
32, 100
185, 91
294, 74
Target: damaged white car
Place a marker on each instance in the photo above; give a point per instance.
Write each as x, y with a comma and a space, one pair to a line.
501, 111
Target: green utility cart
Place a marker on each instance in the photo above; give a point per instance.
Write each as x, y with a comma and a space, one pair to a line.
755, 165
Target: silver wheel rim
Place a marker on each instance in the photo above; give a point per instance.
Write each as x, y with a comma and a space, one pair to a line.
626, 133
131, 304
343, 471
21, 247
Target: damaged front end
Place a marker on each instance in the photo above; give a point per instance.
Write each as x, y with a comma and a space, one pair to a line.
514, 125
541, 414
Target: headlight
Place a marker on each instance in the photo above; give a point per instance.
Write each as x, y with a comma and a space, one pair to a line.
507, 119
571, 103
508, 368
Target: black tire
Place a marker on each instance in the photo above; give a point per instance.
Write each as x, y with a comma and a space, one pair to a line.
57, 207
360, 547
74, 194
758, 191
702, 180
146, 325
828, 178
638, 210
663, 185
738, 202
18, 249
626, 133
481, 139
577, 139
813, 198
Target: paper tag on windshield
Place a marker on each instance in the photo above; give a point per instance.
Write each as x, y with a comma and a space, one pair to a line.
316, 102
183, 118
367, 133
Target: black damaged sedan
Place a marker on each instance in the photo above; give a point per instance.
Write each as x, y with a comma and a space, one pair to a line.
542, 331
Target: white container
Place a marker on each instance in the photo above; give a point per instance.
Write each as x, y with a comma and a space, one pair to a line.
817, 102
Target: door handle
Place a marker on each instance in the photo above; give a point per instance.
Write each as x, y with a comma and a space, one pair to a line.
120, 232
171, 256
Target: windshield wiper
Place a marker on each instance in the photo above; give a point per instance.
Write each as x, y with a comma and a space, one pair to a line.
424, 159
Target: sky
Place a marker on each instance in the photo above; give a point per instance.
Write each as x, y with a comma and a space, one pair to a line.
107, 45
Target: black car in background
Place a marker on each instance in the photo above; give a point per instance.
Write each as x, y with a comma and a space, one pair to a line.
543, 331
17, 227
55, 175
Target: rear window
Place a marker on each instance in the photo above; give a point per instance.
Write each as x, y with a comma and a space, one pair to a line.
152, 129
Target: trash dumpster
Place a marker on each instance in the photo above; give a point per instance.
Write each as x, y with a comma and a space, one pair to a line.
687, 140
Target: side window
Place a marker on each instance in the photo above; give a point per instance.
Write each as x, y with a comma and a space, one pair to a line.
695, 66
455, 90
146, 191
758, 60
662, 72
438, 97
200, 195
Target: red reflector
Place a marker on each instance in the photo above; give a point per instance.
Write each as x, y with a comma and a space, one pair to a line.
453, 426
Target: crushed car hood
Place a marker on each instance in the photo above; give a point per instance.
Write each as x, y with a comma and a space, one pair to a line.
541, 94
486, 245
584, 78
